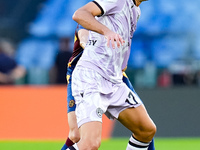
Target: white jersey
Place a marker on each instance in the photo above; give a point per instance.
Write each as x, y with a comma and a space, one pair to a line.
121, 17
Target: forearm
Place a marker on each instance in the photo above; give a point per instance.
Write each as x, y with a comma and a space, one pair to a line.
4, 78
85, 16
17, 73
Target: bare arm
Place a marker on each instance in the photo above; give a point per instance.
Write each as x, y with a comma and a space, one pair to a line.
85, 16
4, 78
18, 72
83, 37
15, 74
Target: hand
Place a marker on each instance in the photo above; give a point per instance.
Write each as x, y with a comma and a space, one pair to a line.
83, 44
114, 37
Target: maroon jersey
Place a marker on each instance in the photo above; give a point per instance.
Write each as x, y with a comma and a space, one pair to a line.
77, 50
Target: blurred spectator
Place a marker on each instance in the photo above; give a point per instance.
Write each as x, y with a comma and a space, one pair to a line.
37, 55
58, 72
163, 37
164, 79
10, 71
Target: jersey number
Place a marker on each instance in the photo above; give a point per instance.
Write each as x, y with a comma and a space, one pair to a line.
131, 99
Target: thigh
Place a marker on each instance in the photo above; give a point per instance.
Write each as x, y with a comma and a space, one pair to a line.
90, 135
136, 119
91, 130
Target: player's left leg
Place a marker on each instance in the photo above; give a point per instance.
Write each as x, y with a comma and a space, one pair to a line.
128, 83
138, 121
74, 134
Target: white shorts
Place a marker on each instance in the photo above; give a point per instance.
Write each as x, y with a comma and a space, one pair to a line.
94, 95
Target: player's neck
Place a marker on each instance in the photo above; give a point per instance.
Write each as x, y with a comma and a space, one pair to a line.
137, 2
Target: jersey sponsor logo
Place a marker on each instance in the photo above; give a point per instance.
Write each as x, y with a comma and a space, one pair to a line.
92, 42
99, 112
71, 103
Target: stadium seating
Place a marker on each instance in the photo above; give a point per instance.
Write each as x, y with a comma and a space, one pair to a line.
164, 33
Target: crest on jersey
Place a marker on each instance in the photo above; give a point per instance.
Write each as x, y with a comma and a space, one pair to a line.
99, 112
71, 103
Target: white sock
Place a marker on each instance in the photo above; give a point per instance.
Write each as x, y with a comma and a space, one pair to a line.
134, 144
73, 147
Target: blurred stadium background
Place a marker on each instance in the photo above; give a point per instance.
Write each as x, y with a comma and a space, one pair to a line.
165, 45
164, 65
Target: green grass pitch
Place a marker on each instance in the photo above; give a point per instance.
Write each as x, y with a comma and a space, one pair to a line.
112, 144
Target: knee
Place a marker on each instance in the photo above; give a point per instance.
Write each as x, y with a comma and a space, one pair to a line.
151, 131
74, 136
92, 144
146, 134
95, 145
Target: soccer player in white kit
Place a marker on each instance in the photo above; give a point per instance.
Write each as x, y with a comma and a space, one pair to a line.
97, 84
